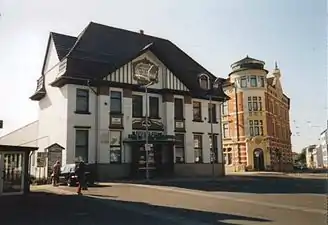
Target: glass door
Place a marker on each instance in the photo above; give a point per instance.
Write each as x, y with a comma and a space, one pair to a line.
12, 174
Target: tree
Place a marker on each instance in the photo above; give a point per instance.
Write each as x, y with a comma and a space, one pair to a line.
301, 158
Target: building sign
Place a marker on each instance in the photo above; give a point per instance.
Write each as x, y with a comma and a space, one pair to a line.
41, 159
141, 135
144, 72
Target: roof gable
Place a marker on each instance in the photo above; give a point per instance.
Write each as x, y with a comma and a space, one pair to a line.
166, 79
100, 50
116, 47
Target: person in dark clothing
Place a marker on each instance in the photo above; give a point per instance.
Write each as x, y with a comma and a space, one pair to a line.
56, 173
80, 173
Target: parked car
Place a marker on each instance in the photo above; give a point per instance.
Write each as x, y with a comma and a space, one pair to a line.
67, 175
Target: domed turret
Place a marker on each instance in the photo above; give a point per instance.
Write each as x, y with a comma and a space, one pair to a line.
247, 63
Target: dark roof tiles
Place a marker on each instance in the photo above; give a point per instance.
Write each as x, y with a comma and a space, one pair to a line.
115, 47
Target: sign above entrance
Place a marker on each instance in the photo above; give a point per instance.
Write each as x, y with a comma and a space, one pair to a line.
141, 124
145, 72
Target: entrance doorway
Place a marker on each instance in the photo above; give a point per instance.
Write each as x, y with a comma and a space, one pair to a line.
160, 158
12, 173
258, 159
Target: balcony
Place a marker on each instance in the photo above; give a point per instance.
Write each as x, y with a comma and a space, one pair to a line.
40, 91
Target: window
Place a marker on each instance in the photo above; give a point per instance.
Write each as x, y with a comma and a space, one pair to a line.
153, 107
225, 131
262, 84
198, 148
212, 113
82, 100
227, 152
255, 128
214, 147
243, 82
250, 104
254, 104
253, 81
115, 147
137, 106
260, 103
81, 145
225, 110
178, 108
197, 110
179, 148
203, 82
115, 102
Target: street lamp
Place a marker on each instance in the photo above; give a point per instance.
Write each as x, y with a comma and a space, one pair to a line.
210, 93
146, 74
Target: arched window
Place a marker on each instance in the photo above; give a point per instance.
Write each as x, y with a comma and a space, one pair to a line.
204, 81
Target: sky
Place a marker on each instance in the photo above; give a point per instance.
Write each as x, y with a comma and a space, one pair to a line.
215, 33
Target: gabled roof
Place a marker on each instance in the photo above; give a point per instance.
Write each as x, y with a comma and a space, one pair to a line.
101, 49
55, 145
63, 43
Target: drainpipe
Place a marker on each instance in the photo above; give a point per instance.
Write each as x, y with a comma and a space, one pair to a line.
96, 92
237, 121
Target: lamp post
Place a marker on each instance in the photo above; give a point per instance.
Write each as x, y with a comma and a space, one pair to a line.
147, 147
146, 74
212, 137
213, 86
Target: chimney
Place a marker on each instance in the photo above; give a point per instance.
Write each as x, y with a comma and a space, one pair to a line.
141, 32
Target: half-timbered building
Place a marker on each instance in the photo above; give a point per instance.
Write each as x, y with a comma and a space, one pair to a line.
92, 105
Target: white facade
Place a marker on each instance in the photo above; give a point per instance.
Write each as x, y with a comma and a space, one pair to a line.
317, 157
58, 121
323, 146
24, 136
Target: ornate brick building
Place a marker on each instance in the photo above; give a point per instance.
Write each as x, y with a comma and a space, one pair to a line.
255, 121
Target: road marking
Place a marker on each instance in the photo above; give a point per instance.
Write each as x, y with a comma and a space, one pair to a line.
206, 194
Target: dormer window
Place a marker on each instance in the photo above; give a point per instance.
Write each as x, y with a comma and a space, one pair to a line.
204, 81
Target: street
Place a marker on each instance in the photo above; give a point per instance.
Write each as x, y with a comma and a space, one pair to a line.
236, 199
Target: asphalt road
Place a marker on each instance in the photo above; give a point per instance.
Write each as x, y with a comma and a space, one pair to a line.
235, 200
42, 208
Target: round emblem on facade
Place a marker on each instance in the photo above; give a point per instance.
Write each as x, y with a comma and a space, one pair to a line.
145, 72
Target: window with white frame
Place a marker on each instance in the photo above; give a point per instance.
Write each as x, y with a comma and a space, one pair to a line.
225, 130
214, 147
115, 146
253, 81
115, 102
243, 82
254, 104
198, 148
81, 145
204, 81
227, 152
255, 128
180, 148
262, 82
225, 110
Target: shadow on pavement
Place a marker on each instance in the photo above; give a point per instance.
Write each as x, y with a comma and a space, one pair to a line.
49, 209
251, 184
